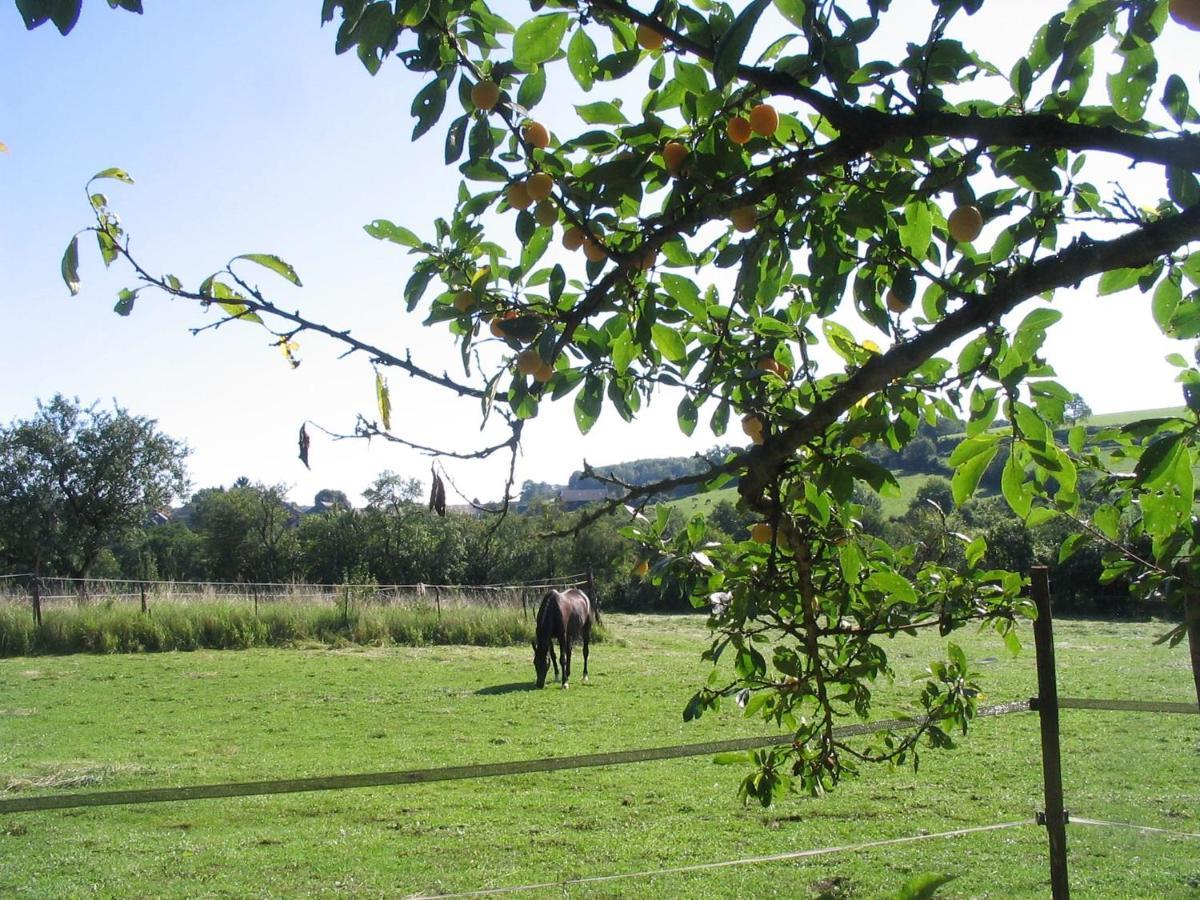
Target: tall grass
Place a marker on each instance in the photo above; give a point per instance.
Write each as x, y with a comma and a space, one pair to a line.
220, 625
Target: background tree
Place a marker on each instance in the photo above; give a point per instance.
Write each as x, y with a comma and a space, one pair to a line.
785, 194
75, 479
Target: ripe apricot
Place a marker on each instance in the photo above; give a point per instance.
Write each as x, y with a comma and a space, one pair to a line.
965, 223
536, 135
463, 301
543, 372
546, 213
518, 195
744, 218
762, 532
739, 129
594, 251
1186, 13
528, 362
641, 568
539, 186
674, 153
771, 364
649, 38
752, 425
485, 94
497, 325
573, 238
764, 120
896, 303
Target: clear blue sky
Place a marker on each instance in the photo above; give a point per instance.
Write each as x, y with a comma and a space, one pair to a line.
245, 133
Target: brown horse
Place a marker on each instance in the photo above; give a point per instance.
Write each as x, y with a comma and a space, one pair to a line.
563, 616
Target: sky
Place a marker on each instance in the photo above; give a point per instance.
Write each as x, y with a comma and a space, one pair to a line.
244, 132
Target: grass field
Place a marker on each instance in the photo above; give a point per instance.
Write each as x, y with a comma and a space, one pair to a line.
890, 506
108, 722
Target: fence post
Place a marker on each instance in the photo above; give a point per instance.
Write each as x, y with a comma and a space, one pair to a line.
35, 588
1191, 618
1046, 704
437, 599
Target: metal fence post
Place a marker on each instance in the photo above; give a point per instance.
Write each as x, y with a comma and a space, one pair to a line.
1046, 704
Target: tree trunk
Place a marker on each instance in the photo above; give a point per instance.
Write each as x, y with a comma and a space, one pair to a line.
1191, 616
35, 590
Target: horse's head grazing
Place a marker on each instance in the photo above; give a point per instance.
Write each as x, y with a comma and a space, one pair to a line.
541, 662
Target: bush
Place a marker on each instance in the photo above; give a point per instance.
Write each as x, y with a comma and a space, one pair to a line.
109, 628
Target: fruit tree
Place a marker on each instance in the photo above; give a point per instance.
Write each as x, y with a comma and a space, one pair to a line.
770, 212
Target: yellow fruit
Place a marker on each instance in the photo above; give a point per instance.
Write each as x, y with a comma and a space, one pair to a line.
896, 303
546, 213
497, 326
762, 532
536, 135
965, 223
752, 424
518, 195
528, 362
739, 129
463, 301
674, 153
543, 372
764, 120
744, 218
641, 568
870, 346
573, 238
649, 38
485, 94
1186, 13
771, 364
593, 251
539, 186
858, 440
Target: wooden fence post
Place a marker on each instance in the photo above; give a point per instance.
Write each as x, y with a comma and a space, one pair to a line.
1046, 704
437, 599
35, 589
1191, 618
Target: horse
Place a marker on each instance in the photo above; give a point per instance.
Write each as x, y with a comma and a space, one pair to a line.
563, 616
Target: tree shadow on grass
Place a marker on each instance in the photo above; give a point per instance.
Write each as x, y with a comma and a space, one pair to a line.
511, 688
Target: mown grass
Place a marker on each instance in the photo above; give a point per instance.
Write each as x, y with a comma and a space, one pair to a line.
184, 718
218, 625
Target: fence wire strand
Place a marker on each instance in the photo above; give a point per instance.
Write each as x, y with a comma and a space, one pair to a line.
1076, 820
744, 861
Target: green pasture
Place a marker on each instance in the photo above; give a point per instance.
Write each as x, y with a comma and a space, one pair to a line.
890, 506
105, 722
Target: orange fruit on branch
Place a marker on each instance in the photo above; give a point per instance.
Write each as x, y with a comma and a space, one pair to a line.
674, 153
536, 135
739, 129
594, 251
573, 238
485, 94
543, 372
539, 186
649, 37
546, 213
1186, 13
518, 195
762, 532
965, 223
528, 362
744, 218
641, 568
764, 119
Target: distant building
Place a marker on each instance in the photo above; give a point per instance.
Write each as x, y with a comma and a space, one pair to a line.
573, 498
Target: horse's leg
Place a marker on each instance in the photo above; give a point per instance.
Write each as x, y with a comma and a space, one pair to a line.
565, 650
553, 659
587, 634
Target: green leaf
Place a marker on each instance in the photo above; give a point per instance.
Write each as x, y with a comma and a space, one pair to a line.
118, 174
1175, 98
793, 11
1031, 333
1117, 280
601, 113
923, 886
733, 43
125, 302
532, 88
1157, 459
581, 59
428, 104
383, 230
1129, 89
70, 266
917, 230
384, 400
1166, 300
668, 342
274, 263
896, 587
969, 472
538, 39
687, 415
1017, 490
456, 136
588, 403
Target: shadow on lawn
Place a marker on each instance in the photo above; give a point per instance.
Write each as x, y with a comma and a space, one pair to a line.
511, 688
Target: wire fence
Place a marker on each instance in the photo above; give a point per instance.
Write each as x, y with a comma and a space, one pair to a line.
63, 591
